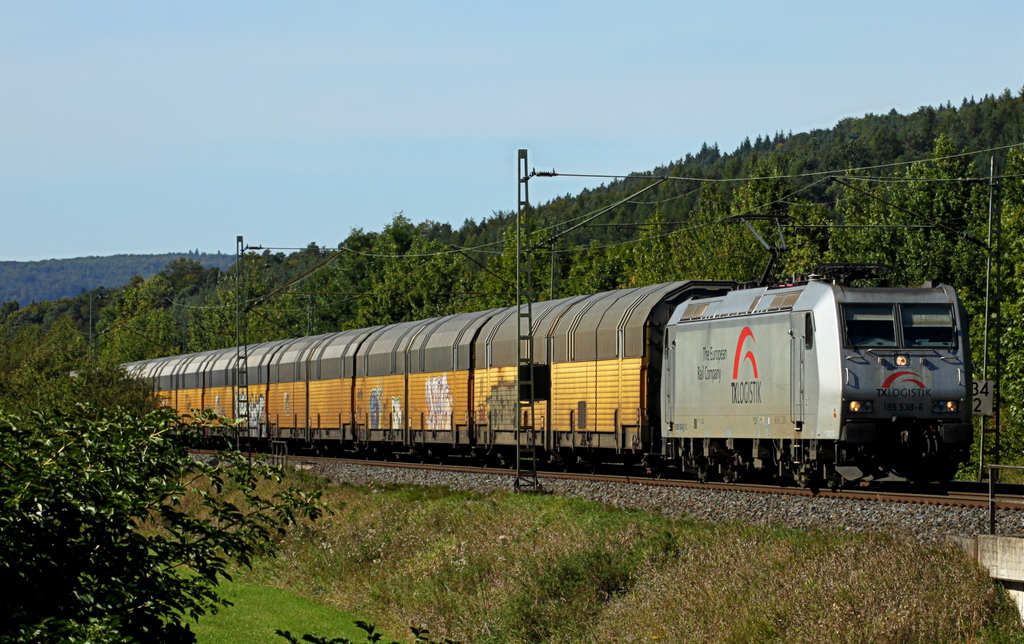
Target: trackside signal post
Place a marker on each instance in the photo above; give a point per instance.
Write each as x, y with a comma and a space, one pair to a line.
988, 447
241, 341
247, 417
526, 447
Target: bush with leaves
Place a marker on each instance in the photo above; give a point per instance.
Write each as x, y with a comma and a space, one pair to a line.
111, 532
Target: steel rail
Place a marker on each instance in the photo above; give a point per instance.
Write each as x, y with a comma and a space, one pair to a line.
951, 498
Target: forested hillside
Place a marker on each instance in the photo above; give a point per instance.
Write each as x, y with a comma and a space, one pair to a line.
865, 142
52, 279
920, 182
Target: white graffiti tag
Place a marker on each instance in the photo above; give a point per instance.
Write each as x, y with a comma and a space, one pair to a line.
375, 395
252, 412
396, 412
439, 403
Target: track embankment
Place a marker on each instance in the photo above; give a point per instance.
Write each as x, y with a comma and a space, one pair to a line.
924, 517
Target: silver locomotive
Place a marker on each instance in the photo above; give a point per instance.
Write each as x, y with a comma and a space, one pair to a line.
819, 382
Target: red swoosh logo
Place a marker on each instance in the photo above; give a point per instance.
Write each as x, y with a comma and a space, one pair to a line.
900, 374
740, 356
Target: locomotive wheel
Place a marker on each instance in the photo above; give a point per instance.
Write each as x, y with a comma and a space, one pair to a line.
702, 473
805, 479
809, 478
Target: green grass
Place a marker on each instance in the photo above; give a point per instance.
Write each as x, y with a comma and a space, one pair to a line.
505, 568
259, 611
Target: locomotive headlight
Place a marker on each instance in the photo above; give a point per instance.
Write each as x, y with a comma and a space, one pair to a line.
945, 406
902, 360
860, 405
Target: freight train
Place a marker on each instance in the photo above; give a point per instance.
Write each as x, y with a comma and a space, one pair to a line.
813, 382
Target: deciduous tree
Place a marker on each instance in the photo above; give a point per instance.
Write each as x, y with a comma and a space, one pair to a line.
112, 533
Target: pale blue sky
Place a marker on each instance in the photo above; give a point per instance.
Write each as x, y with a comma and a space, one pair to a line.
143, 127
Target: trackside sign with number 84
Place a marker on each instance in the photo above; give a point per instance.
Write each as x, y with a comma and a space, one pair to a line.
981, 405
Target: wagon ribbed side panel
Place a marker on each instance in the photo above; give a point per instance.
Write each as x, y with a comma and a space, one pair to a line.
273, 405
446, 345
494, 393
380, 402
330, 403
286, 404
166, 399
612, 392
618, 393
572, 383
219, 400
189, 399
439, 401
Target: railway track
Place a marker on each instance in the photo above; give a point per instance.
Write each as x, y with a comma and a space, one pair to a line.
957, 494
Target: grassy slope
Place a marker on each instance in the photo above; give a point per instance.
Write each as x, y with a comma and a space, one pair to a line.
258, 611
519, 568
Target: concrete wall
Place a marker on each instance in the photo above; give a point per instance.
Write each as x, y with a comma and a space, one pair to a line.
1003, 557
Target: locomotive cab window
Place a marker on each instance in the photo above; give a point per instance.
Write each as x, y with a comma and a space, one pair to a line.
927, 325
870, 325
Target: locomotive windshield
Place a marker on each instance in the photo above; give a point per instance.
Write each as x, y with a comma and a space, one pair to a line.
927, 325
870, 325
921, 325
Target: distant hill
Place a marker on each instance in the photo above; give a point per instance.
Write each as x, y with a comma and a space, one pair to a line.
52, 279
